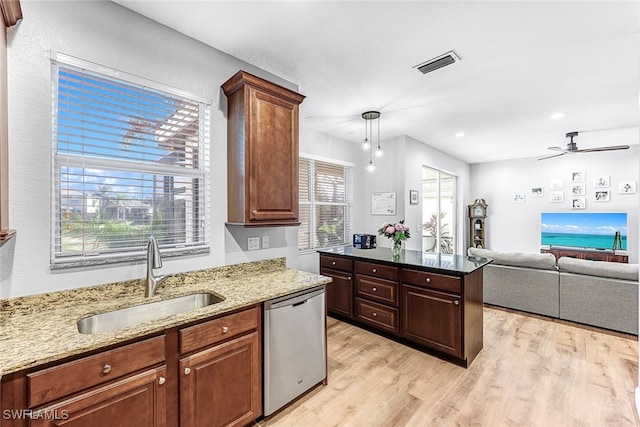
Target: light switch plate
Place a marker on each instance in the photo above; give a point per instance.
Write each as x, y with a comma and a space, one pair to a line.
253, 243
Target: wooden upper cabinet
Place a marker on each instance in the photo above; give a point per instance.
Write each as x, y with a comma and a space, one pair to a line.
11, 14
262, 152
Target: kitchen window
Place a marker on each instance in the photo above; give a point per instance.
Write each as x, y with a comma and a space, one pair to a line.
130, 160
325, 203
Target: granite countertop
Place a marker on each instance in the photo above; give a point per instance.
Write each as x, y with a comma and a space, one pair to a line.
456, 265
42, 328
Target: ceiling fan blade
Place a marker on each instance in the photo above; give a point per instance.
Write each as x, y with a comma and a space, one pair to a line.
555, 155
611, 148
564, 150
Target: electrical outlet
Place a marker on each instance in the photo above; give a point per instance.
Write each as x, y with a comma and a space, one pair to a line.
265, 242
253, 243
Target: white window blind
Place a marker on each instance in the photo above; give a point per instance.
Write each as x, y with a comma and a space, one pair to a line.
130, 161
325, 197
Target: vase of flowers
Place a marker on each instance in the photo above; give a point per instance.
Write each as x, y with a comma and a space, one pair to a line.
398, 233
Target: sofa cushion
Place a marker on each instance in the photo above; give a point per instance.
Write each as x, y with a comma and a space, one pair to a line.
539, 261
614, 270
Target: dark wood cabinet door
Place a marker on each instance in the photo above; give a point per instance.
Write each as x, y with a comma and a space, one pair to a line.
273, 159
339, 292
433, 319
135, 401
221, 386
262, 152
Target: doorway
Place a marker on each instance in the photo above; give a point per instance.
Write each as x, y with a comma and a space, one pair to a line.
438, 211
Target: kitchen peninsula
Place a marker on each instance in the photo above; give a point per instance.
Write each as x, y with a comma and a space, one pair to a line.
432, 300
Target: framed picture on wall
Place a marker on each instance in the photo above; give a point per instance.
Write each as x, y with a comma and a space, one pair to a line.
556, 197
578, 203
601, 182
577, 176
537, 191
627, 187
556, 184
601, 195
518, 197
413, 197
578, 189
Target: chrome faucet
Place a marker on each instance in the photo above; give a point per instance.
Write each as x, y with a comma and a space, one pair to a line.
153, 261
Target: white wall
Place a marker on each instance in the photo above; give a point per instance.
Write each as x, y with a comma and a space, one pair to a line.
516, 227
399, 170
331, 148
107, 34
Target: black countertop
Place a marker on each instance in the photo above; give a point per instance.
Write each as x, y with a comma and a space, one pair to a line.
454, 265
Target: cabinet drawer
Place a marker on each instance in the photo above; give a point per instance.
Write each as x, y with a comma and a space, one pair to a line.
380, 290
59, 381
432, 280
213, 331
377, 270
336, 263
377, 315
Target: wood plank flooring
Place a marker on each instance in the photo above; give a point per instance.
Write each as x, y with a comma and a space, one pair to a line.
531, 372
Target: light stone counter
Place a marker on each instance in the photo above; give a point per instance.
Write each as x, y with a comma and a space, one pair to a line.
42, 328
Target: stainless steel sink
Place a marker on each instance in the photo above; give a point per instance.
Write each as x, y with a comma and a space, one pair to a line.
112, 320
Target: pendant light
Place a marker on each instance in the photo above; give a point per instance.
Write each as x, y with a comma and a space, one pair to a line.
369, 117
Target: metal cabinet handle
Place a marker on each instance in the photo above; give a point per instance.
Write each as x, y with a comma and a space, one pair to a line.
428, 279
374, 289
375, 314
456, 302
349, 278
333, 263
225, 329
375, 270
162, 380
187, 371
106, 369
255, 212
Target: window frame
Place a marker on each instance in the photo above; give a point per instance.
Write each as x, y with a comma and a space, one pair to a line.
201, 173
349, 169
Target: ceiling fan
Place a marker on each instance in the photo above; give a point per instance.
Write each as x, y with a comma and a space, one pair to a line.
572, 147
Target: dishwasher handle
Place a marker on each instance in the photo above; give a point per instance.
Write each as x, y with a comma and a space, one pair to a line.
293, 300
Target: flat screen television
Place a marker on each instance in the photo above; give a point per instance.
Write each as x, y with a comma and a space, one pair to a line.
584, 230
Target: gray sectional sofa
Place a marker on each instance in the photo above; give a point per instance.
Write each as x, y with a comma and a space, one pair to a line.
598, 293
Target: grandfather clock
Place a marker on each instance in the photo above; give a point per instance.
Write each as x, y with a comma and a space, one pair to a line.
477, 217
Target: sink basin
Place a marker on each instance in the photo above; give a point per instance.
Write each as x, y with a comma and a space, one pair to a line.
112, 320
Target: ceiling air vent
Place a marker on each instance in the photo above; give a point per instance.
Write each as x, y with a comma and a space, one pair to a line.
438, 62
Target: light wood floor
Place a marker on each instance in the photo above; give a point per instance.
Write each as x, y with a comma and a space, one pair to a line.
531, 372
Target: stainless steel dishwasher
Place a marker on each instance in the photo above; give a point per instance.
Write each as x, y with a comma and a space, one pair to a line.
295, 346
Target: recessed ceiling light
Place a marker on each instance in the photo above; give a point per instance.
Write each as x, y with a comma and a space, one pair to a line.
459, 134
556, 116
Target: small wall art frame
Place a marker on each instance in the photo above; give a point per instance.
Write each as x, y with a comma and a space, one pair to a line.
627, 187
578, 203
537, 191
414, 197
518, 197
601, 195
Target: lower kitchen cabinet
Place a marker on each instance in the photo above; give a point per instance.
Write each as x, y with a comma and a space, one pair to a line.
139, 400
221, 386
439, 309
433, 319
339, 293
205, 374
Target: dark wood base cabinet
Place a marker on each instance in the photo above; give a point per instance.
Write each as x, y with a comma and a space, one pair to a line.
440, 312
433, 319
339, 293
206, 374
235, 368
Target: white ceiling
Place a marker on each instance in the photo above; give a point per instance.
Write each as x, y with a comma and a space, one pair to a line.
521, 62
